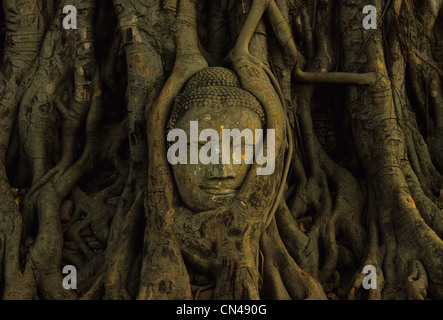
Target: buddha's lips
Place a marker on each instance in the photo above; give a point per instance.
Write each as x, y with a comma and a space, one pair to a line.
219, 189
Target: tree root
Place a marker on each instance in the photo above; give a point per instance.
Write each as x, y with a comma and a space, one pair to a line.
96, 215
286, 278
324, 226
118, 270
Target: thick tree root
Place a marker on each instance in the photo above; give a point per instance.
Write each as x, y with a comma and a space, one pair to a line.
64, 120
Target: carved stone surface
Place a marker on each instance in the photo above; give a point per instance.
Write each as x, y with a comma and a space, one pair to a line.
214, 99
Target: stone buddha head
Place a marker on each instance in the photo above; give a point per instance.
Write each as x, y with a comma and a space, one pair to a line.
213, 102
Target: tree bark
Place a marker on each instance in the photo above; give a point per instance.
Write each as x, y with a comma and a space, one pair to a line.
84, 178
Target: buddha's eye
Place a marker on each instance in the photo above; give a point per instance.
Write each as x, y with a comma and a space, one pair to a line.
243, 146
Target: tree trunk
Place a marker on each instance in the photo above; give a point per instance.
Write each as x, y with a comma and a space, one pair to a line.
84, 178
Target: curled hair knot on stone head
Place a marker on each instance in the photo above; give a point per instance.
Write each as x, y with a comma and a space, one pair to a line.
216, 87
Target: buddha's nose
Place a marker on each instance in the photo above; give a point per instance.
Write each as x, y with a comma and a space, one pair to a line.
221, 171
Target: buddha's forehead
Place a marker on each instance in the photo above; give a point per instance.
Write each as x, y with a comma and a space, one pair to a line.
220, 118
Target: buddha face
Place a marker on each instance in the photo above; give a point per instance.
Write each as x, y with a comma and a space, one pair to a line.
205, 187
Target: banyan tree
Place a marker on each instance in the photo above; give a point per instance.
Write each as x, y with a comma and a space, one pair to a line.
86, 116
